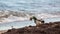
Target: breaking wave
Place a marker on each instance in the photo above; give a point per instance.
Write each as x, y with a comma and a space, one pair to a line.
11, 16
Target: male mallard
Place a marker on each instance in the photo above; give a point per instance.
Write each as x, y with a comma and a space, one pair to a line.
37, 22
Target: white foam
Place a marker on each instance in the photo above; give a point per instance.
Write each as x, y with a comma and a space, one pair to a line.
46, 15
12, 18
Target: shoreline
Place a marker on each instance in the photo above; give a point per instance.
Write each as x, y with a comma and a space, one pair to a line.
47, 28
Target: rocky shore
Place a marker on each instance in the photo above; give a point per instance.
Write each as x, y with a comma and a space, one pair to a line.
47, 28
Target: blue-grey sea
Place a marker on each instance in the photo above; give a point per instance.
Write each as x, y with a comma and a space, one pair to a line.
35, 6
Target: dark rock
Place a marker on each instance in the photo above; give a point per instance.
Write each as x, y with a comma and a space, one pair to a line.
47, 28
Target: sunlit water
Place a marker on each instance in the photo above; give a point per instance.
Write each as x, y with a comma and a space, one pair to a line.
19, 24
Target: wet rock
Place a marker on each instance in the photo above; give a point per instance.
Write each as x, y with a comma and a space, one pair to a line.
47, 28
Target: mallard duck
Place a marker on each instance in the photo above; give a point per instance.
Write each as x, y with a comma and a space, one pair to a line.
36, 21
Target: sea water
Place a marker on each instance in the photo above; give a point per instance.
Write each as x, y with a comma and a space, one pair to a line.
31, 6
20, 24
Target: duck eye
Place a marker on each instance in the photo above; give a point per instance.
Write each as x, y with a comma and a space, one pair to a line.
30, 18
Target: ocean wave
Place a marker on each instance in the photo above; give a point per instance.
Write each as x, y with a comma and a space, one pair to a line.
11, 16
